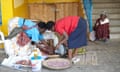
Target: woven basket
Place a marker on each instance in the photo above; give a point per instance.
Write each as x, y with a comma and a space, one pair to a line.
57, 63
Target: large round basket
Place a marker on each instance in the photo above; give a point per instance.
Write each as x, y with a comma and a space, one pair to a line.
57, 63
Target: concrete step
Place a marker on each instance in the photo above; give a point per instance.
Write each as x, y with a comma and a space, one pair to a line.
103, 1
108, 10
112, 7
114, 23
115, 29
106, 5
115, 36
111, 16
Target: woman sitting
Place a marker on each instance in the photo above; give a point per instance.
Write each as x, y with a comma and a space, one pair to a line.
102, 28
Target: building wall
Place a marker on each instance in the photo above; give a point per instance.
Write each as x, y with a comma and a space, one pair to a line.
7, 12
51, 1
54, 9
20, 8
46, 12
10, 9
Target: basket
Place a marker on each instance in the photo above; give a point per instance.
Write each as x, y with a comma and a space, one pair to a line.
57, 63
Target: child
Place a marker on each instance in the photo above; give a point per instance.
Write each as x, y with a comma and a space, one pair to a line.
50, 36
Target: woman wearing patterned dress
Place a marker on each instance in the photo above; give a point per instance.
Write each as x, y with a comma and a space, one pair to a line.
102, 28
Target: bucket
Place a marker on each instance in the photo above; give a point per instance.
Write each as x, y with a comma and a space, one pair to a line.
36, 63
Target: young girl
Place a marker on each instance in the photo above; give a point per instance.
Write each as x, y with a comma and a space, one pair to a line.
50, 36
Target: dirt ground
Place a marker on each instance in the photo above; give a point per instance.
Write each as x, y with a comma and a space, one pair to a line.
99, 57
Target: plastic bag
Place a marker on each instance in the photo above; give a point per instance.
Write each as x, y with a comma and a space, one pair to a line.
92, 36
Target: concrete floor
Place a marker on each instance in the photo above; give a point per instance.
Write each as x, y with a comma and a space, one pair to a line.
107, 59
